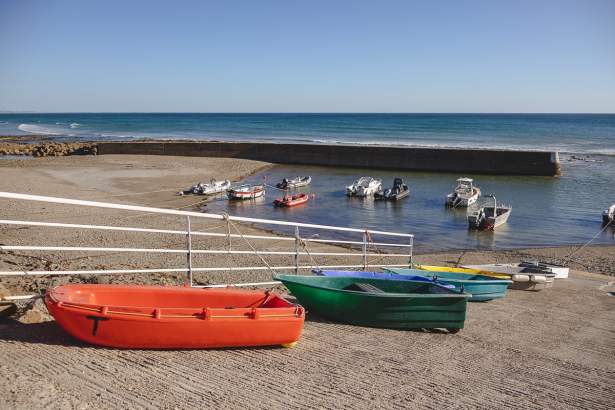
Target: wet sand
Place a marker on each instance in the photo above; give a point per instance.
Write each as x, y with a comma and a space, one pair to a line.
552, 348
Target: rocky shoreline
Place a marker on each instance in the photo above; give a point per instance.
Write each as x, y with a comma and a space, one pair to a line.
41, 146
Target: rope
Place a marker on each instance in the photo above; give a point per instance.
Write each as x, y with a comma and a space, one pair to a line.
303, 243
568, 258
251, 247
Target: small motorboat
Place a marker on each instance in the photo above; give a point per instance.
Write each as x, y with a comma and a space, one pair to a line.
481, 287
398, 191
165, 317
384, 303
213, 187
298, 182
380, 275
291, 200
521, 281
608, 216
561, 272
464, 194
364, 186
246, 192
489, 218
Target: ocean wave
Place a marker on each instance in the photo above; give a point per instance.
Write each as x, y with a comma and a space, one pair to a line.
75, 125
37, 129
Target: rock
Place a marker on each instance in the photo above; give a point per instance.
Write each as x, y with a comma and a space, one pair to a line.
34, 312
4, 292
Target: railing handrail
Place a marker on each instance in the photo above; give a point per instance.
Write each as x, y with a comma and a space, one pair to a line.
79, 202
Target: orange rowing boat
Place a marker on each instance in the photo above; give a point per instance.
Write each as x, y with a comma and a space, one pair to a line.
159, 317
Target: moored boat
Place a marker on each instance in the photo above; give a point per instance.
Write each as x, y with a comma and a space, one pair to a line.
213, 187
246, 192
363, 187
380, 275
159, 317
434, 268
289, 183
399, 190
481, 287
608, 215
561, 272
489, 218
396, 304
291, 200
464, 194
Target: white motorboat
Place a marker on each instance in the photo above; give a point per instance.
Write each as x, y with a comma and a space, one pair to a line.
213, 187
608, 216
370, 188
465, 193
289, 183
525, 267
246, 192
351, 189
399, 190
489, 218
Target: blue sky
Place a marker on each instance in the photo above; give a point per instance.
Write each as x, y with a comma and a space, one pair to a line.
313, 56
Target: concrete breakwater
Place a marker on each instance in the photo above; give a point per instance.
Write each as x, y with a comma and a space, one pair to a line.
476, 161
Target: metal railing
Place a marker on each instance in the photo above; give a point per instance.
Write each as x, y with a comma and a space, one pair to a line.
405, 241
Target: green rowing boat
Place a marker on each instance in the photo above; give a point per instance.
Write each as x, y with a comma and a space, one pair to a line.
482, 288
382, 303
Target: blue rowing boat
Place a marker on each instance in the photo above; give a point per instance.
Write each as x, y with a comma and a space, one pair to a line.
481, 287
380, 275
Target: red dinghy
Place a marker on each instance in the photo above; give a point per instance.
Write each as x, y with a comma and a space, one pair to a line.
159, 317
291, 200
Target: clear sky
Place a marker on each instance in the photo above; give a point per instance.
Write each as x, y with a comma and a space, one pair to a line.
309, 56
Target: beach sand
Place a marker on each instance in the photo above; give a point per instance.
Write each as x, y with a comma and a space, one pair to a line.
553, 348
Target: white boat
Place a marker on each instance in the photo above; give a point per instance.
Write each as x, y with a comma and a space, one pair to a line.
288, 183
364, 186
489, 218
246, 192
465, 193
525, 267
608, 216
213, 187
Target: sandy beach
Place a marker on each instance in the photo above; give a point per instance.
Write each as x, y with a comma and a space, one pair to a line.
552, 348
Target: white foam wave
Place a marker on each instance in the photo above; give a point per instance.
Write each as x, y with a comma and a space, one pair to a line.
37, 129
75, 125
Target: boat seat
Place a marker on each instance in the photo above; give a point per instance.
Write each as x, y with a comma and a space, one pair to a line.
364, 287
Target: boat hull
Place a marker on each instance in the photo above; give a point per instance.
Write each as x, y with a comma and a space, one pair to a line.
77, 309
241, 195
433, 268
561, 272
325, 297
482, 288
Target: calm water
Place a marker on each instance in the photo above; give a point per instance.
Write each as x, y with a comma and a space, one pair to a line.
546, 211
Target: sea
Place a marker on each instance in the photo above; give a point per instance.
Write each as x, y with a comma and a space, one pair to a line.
546, 211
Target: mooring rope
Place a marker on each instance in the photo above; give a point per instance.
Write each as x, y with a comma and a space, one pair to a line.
568, 258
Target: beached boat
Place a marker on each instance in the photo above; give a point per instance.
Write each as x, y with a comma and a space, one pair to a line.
464, 194
159, 317
246, 192
291, 200
213, 187
489, 218
364, 186
522, 281
399, 190
289, 183
396, 304
608, 216
561, 272
481, 287
380, 275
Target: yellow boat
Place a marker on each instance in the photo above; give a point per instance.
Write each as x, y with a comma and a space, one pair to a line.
432, 268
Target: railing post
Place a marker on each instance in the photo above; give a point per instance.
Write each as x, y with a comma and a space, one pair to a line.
297, 241
365, 250
189, 255
410, 253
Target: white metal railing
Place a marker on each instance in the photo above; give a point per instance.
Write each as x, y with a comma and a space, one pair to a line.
189, 234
